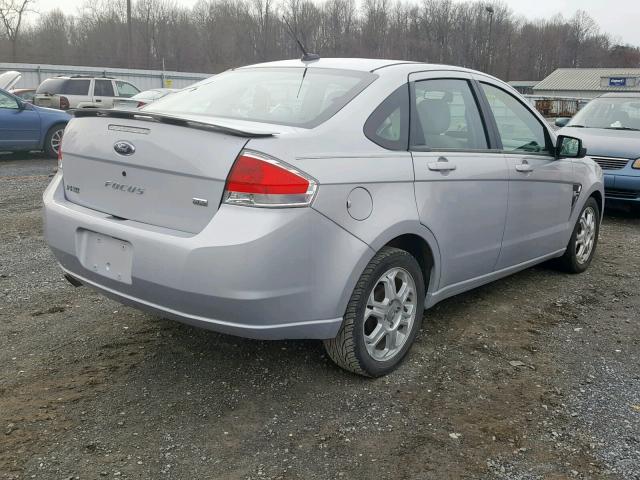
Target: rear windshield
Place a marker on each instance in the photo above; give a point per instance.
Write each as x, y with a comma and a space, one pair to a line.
296, 96
64, 86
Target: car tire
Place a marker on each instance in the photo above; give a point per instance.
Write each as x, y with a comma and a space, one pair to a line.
576, 258
53, 138
376, 310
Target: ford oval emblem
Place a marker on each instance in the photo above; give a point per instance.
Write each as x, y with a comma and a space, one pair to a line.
124, 148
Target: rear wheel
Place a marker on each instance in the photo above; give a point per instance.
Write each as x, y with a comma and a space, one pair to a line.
53, 140
583, 242
383, 316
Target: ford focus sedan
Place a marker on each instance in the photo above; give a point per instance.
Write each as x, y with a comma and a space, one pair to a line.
334, 199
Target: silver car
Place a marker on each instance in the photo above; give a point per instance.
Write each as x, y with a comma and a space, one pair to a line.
333, 199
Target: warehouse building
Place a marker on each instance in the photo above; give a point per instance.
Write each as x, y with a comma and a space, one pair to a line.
587, 83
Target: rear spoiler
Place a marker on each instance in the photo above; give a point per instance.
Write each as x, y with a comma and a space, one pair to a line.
173, 120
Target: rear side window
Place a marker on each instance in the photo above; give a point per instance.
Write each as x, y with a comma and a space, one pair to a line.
446, 116
388, 125
519, 129
296, 96
103, 88
126, 89
76, 87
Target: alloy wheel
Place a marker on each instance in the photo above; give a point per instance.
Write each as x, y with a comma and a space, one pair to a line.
56, 139
390, 314
586, 236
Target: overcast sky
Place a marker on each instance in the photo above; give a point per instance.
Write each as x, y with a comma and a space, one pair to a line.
619, 18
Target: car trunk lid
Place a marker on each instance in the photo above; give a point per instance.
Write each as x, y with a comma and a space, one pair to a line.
162, 171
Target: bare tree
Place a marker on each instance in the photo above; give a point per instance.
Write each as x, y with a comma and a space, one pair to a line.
12, 14
218, 34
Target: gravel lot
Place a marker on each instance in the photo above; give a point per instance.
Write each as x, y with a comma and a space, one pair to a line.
533, 377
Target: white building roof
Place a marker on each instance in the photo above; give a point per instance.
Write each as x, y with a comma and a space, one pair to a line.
592, 79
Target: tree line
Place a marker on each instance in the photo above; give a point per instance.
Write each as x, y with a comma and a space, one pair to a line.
215, 35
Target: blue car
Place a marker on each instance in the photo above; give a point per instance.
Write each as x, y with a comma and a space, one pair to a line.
25, 127
609, 127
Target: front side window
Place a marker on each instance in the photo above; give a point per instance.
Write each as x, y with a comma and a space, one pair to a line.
446, 116
103, 88
296, 96
126, 89
519, 129
614, 113
8, 102
388, 125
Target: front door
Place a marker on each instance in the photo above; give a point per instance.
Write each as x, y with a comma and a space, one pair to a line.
540, 187
19, 127
461, 181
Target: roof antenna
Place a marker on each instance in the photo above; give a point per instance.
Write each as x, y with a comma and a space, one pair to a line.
306, 56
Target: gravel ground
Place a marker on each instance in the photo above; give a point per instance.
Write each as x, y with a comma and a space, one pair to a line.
533, 377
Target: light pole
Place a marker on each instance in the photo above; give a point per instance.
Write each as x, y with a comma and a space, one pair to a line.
490, 11
129, 34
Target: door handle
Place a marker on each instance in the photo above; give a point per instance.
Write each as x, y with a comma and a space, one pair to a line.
98, 100
442, 165
524, 167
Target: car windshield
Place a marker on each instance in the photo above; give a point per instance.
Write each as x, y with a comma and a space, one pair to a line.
297, 96
618, 113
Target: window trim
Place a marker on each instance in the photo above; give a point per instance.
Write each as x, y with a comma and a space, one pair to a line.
477, 100
547, 136
405, 120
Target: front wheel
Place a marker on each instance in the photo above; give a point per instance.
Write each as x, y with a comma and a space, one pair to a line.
383, 316
583, 242
53, 140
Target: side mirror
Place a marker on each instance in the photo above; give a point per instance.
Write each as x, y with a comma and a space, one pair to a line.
21, 105
570, 147
562, 121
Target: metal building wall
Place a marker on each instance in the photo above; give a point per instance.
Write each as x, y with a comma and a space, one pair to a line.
33, 75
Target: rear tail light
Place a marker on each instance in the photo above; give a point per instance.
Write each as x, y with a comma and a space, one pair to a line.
257, 180
141, 104
64, 103
60, 156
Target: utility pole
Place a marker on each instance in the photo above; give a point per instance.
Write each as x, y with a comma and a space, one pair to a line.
490, 11
129, 35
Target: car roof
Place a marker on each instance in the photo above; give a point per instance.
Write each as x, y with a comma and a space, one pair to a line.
621, 95
361, 64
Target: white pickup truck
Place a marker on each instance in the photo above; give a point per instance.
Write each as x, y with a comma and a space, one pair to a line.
82, 92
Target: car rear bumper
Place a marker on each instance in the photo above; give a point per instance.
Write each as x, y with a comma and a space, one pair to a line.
257, 273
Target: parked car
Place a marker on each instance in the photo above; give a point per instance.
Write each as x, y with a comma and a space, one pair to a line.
333, 199
80, 91
25, 94
142, 98
610, 127
25, 127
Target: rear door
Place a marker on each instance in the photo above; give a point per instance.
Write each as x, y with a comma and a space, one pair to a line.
461, 181
540, 187
103, 93
19, 128
78, 91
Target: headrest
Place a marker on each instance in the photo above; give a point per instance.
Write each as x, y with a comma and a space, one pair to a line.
434, 115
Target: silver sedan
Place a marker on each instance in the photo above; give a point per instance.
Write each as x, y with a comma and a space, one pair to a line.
334, 199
